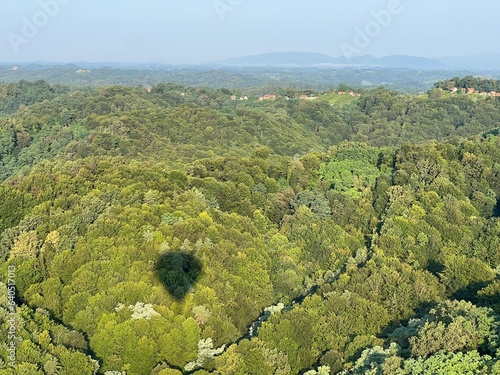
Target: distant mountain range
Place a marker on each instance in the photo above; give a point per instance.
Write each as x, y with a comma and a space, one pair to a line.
475, 63
308, 59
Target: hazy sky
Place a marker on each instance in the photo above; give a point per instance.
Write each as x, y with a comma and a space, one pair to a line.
191, 31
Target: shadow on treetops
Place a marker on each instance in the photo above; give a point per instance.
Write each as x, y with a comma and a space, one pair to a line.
178, 271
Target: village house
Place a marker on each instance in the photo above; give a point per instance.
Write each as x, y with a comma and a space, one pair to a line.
268, 97
471, 90
233, 97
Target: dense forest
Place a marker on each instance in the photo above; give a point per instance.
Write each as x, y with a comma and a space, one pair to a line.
480, 84
176, 230
218, 76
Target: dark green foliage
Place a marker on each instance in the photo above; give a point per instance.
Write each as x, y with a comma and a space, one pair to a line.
313, 200
16, 96
480, 84
13, 206
178, 272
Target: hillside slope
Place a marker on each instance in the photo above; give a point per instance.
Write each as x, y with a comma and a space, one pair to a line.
182, 232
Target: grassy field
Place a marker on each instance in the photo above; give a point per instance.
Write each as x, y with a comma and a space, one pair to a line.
339, 100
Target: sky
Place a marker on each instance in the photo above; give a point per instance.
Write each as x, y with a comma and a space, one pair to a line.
198, 31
